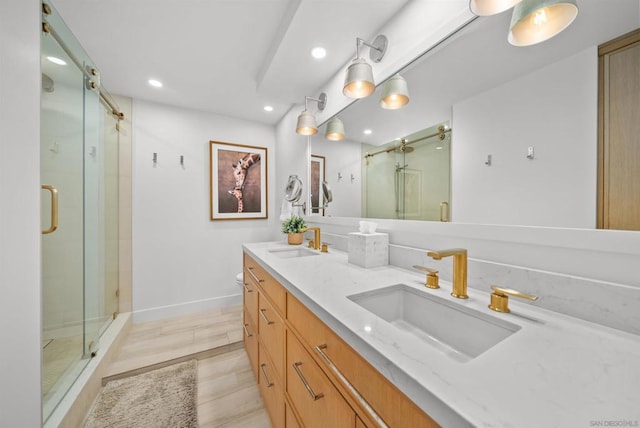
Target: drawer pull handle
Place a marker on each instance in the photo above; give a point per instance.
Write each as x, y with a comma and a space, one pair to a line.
264, 374
269, 322
320, 350
254, 275
246, 331
313, 395
246, 287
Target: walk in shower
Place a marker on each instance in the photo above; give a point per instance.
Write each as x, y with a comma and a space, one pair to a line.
79, 170
409, 178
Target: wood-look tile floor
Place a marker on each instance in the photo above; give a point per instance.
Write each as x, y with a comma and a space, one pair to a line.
228, 394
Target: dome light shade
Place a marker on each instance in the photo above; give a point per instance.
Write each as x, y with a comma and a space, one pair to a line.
335, 130
535, 21
395, 93
306, 124
358, 82
490, 7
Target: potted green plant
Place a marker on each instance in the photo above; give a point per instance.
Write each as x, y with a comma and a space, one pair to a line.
293, 227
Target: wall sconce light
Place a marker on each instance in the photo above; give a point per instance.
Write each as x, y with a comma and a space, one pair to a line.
335, 130
306, 120
358, 81
490, 7
395, 93
534, 21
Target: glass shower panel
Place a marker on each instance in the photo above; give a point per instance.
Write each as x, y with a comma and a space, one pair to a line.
93, 217
79, 156
62, 159
409, 179
111, 154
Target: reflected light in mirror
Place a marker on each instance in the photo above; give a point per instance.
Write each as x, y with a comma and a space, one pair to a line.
335, 130
306, 124
490, 7
535, 21
395, 93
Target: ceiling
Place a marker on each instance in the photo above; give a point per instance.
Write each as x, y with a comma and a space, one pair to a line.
230, 57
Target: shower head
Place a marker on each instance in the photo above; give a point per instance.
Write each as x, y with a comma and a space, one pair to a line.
47, 83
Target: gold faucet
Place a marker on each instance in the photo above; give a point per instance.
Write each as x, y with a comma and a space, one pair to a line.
459, 269
500, 298
316, 236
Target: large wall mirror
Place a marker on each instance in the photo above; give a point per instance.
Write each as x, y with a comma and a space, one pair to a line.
521, 142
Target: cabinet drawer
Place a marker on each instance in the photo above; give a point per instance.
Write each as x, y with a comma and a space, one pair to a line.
316, 400
267, 283
271, 391
250, 297
387, 401
271, 330
251, 342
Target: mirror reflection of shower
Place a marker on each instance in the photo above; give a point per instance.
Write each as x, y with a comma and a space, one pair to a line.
413, 172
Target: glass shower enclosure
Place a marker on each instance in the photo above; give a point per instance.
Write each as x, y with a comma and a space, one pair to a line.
79, 172
409, 178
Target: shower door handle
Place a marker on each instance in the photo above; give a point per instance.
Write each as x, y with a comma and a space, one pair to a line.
443, 205
54, 208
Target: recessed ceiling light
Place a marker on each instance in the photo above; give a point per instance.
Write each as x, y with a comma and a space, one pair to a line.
439, 148
318, 52
56, 60
155, 83
367, 132
268, 108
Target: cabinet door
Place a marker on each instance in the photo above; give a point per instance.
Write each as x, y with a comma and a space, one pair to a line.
619, 151
250, 297
290, 419
359, 423
268, 284
316, 400
271, 330
251, 342
270, 389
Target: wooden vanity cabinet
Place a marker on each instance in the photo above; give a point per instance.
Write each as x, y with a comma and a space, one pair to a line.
271, 330
317, 401
271, 389
250, 338
334, 355
306, 374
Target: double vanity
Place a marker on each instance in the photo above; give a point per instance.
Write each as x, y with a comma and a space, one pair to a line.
335, 344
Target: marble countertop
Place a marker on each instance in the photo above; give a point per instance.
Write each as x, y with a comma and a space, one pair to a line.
556, 371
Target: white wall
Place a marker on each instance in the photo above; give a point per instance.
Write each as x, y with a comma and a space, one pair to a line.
557, 187
183, 261
344, 157
20, 318
291, 152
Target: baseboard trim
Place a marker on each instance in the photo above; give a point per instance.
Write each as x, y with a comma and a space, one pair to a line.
169, 311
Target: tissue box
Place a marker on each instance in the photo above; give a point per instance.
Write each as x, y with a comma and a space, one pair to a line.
369, 249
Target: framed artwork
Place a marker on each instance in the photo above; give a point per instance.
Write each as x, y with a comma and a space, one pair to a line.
317, 177
238, 178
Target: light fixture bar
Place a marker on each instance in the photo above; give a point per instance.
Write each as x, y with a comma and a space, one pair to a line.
379, 46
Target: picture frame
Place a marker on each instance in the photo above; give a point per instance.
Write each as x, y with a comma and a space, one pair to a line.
238, 181
316, 197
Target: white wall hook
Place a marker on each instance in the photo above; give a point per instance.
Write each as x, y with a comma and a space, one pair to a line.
488, 161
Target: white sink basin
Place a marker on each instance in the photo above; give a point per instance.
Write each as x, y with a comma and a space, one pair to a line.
458, 331
288, 253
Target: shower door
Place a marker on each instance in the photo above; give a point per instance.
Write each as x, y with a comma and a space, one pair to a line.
409, 179
78, 155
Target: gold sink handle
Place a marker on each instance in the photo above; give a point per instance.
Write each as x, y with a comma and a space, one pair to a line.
432, 276
500, 298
